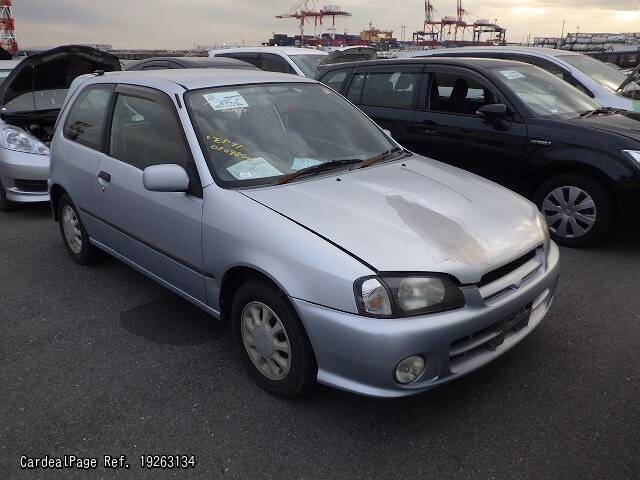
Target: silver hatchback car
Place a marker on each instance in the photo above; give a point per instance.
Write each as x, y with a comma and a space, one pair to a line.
272, 202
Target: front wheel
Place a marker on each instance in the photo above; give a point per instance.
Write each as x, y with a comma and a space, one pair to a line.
273, 343
578, 209
74, 235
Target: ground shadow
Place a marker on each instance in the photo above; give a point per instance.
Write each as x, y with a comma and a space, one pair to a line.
170, 320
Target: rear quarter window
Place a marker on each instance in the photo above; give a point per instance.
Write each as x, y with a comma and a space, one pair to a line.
335, 79
389, 89
85, 121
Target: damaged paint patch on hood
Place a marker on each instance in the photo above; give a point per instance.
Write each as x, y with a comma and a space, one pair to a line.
439, 232
418, 215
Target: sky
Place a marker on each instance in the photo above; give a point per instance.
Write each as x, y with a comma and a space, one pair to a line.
184, 23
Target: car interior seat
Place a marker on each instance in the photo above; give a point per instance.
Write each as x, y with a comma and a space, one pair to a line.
458, 98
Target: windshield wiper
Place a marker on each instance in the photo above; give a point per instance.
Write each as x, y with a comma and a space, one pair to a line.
369, 161
630, 78
597, 111
322, 167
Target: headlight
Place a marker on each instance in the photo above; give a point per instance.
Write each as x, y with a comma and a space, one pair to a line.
546, 237
14, 138
391, 296
633, 155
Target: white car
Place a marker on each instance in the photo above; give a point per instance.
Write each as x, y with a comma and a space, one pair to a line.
600, 81
31, 93
295, 60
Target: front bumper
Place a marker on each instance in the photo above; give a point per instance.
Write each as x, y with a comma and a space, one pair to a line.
24, 176
360, 354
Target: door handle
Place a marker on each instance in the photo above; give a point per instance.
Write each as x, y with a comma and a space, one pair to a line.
104, 176
427, 127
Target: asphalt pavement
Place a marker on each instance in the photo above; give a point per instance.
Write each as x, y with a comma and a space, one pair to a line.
100, 360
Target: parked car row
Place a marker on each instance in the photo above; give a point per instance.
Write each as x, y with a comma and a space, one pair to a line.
298, 61
513, 123
606, 84
339, 254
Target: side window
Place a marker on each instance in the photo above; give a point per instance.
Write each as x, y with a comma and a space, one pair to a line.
155, 66
455, 93
145, 132
334, 79
548, 66
355, 89
245, 57
569, 79
85, 120
389, 89
272, 63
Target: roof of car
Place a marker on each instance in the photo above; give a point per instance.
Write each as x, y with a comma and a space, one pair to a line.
551, 52
457, 61
285, 50
196, 62
10, 64
196, 78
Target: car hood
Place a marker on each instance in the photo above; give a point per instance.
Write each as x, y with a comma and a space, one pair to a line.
40, 81
623, 123
416, 216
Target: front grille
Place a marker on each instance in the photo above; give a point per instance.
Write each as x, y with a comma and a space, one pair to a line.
31, 185
487, 339
498, 273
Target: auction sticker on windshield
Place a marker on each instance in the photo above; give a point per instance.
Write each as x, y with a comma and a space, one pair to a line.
254, 168
511, 74
225, 100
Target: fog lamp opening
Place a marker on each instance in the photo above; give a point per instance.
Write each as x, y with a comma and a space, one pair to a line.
409, 369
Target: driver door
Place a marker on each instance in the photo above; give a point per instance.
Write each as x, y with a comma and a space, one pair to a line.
159, 232
448, 129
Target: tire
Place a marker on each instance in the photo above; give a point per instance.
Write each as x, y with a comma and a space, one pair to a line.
264, 349
578, 209
74, 235
5, 205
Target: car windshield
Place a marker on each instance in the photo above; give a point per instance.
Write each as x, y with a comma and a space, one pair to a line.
257, 134
544, 93
604, 74
307, 63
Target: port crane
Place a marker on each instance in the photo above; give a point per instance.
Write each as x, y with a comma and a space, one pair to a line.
305, 11
454, 28
7, 27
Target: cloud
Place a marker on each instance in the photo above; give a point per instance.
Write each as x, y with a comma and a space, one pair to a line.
171, 24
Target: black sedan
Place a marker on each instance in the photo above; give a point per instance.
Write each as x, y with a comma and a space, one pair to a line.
161, 63
513, 123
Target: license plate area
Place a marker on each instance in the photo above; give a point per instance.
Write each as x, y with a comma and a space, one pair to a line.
516, 321
489, 338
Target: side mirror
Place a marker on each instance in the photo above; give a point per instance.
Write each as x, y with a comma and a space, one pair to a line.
494, 111
165, 178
